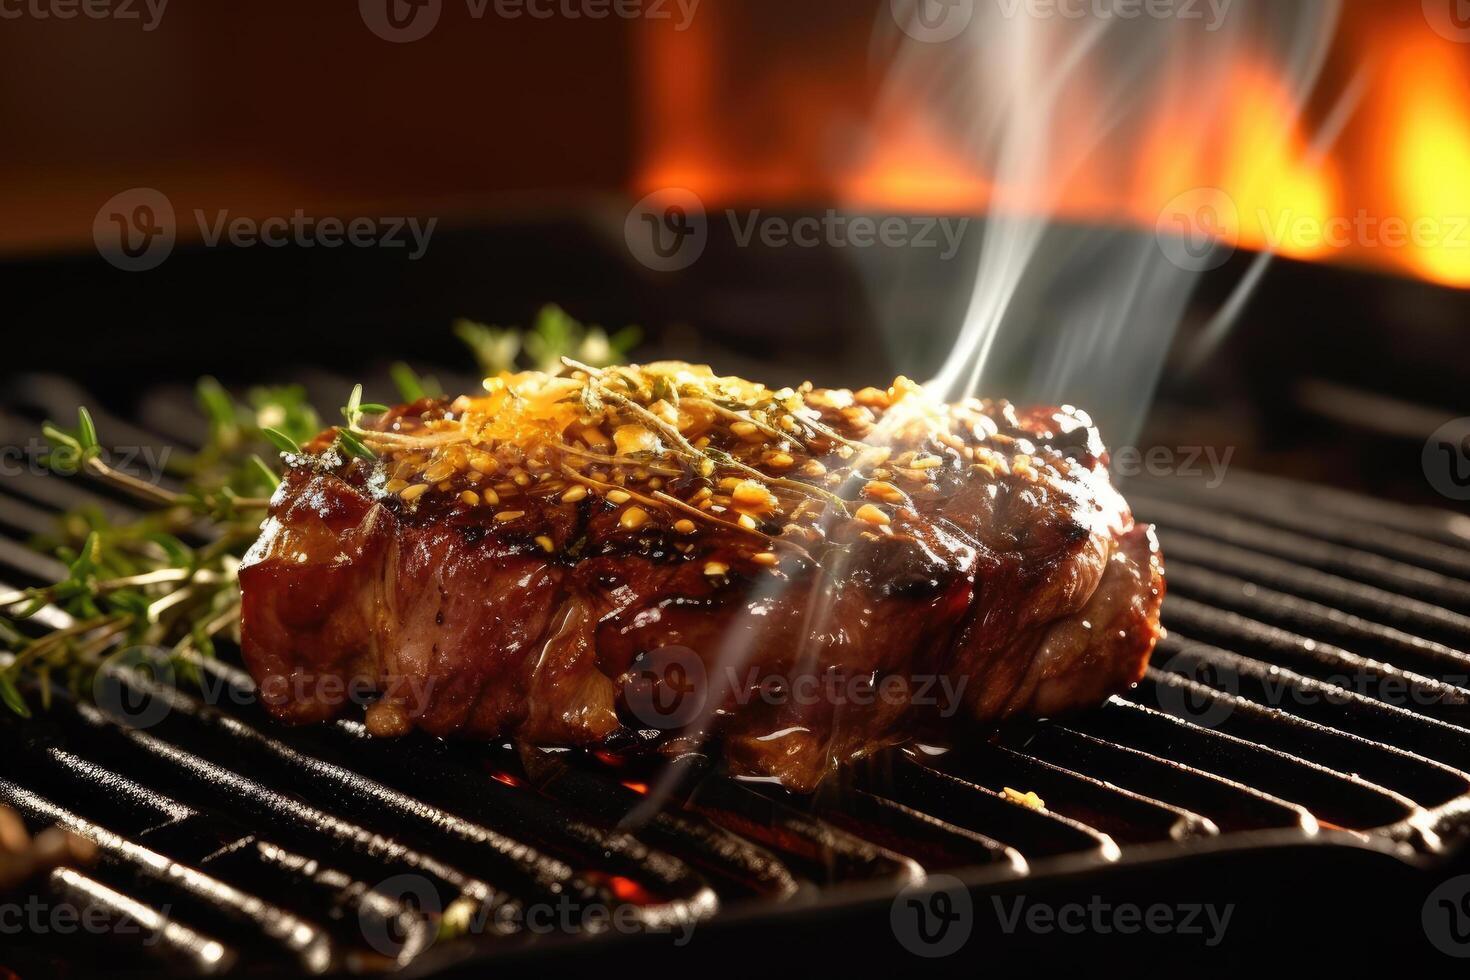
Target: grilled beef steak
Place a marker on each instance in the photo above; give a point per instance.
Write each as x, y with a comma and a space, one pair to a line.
807, 575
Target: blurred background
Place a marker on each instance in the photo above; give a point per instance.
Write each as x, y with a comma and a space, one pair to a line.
519, 139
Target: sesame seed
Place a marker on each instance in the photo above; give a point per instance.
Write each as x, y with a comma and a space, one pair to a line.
871, 515
510, 515
410, 494
470, 497
633, 518
780, 461
753, 495
926, 463
747, 522
490, 497
748, 431
547, 545
814, 467
394, 486
438, 472
574, 494
886, 492
715, 569
767, 558
684, 526
618, 496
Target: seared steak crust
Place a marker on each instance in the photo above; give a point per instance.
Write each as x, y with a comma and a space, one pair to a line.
898, 562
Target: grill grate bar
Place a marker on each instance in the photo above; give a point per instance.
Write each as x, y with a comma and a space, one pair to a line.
1229, 804
1307, 697
1401, 612
1324, 661
1319, 621
163, 938
1420, 780
1332, 796
242, 914
1436, 540
1372, 569
1127, 817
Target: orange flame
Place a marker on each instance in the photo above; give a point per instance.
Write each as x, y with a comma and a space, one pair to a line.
789, 138
1430, 161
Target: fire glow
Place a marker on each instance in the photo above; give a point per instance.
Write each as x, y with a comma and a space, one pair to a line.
1390, 191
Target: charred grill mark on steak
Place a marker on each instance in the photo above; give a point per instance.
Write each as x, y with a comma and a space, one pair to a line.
511, 561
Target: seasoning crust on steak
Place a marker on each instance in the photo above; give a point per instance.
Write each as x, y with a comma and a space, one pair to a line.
512, 565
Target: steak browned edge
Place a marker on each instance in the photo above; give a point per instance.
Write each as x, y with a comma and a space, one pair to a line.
552, 563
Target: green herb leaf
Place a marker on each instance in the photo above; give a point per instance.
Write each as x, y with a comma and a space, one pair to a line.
10, 694
411, 387
354, 446
87, 431
282, 441
264, 469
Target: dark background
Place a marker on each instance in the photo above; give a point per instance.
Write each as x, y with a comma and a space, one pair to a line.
528, 139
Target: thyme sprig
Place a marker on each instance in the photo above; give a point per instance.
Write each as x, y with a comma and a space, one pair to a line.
168, 580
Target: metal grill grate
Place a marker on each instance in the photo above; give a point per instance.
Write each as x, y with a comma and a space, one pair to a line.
1314, 683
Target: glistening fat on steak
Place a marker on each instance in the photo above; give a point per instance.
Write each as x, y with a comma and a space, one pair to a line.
822, 571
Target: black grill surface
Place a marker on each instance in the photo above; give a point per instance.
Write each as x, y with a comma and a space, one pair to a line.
1306, 723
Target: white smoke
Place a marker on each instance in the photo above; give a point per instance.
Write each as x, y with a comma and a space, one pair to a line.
1049, 97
